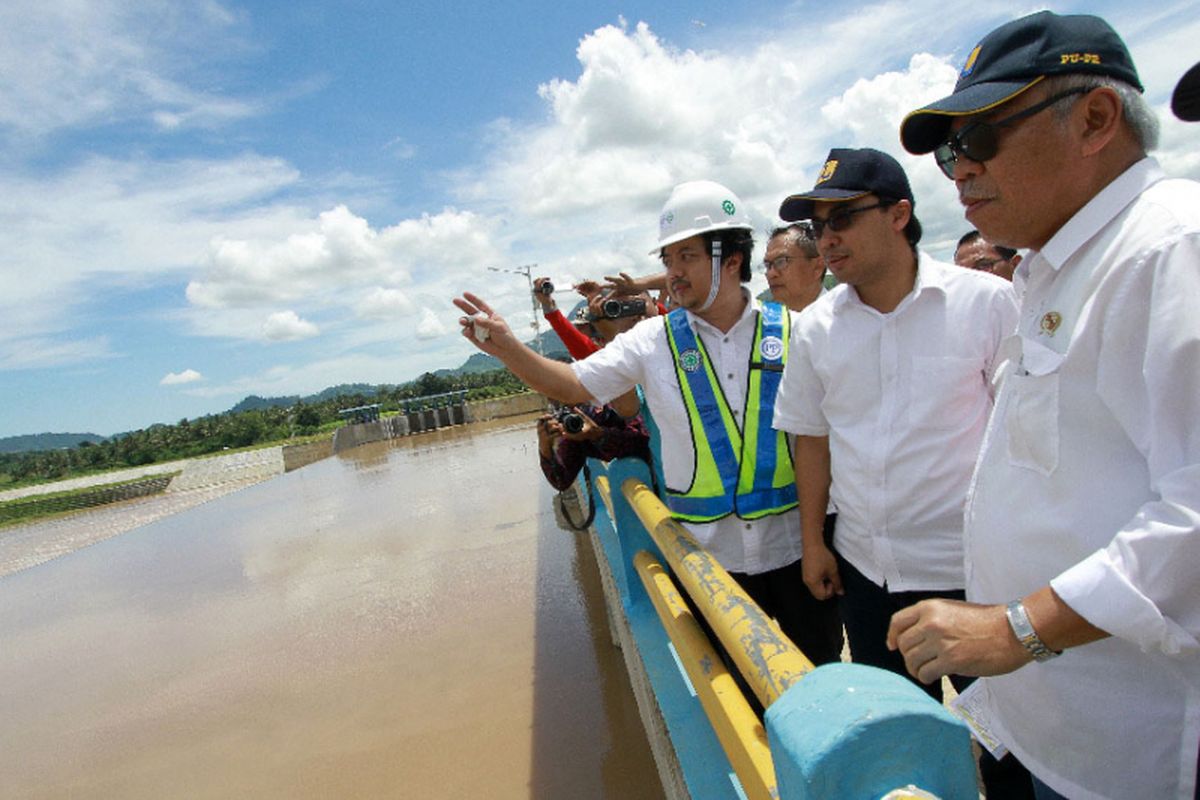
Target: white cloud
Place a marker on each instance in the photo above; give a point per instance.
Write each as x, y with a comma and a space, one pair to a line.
430, 326
70, 237
338, 253
69, 64
381, 303
43, 352
180, 378
287, 326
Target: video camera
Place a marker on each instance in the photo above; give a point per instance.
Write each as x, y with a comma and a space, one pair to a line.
616, 309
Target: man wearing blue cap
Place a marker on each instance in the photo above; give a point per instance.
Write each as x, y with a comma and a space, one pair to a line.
887, 390
1185, 100
1083, 522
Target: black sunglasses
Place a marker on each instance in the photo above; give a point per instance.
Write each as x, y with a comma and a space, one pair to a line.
841, 219
980, 141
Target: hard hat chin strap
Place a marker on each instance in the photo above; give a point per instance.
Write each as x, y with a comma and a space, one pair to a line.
715, 283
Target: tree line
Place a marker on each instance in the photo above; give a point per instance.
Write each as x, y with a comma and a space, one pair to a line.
229, 430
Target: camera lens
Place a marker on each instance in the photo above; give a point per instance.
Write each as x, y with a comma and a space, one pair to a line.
572, 423
546, 288
612, 308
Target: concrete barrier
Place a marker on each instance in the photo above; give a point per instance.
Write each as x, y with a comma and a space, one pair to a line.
244, 467
510, 406
296, 456
849, 730
429, 419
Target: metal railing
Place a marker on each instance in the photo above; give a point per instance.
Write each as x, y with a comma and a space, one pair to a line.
839, 731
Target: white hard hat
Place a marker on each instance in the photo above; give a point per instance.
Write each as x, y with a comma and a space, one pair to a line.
698, 207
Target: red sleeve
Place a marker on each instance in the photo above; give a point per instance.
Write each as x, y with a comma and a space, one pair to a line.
578, 344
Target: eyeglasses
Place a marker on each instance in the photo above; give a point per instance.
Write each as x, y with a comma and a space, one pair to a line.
980, 141
779, 263
841, 219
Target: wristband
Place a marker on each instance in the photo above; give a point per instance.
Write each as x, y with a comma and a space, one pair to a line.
1022, 628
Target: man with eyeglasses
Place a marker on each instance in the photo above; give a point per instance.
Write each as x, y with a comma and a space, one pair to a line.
887, 390
975, 252
1083, 523
793, 266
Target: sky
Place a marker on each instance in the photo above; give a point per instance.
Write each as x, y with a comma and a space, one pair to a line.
207, 200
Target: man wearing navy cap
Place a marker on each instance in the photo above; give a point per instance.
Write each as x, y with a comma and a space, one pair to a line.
1185, 101
888, 390
1083, 521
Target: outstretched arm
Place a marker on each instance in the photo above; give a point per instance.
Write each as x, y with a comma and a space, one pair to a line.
488, 331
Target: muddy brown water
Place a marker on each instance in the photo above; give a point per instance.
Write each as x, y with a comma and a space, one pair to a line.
404, 620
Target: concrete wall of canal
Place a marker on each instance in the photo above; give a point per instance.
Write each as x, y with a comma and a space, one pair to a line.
429, 419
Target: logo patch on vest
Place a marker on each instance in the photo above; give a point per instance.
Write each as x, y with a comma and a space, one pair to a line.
690, 360
771, 348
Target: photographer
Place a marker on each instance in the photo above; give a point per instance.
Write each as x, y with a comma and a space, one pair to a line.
578, 343
567, 438
612, 314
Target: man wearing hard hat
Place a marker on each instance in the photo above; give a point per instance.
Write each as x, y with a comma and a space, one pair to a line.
709, 371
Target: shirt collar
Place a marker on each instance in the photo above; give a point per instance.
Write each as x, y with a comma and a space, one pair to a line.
1096, 213
748, 310
929, 278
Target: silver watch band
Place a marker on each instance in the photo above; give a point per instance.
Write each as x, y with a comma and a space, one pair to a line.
1022, 628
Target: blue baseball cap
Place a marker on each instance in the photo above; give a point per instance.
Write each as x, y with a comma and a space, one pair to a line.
1014, 57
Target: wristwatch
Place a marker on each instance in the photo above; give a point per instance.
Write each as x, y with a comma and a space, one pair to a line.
1022, 628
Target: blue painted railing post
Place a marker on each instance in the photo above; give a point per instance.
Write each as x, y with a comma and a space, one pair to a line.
851, 731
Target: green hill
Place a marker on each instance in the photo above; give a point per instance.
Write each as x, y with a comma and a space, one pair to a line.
45, 441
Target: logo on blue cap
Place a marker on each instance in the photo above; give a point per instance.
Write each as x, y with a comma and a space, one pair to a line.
969, 67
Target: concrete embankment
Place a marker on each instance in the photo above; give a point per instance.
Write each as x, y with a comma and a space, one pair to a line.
436, 418
199, 480
40, 505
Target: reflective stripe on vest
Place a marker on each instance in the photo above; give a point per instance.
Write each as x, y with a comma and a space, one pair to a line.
724, 480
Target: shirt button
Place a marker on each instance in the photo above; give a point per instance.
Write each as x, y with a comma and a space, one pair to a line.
729, 375
748, 526
725, 340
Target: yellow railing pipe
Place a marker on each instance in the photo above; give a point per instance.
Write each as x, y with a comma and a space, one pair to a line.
767, 659
601, 484
738, 728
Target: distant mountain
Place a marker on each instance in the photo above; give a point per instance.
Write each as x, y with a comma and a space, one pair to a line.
552, 346
46, 441
256, 403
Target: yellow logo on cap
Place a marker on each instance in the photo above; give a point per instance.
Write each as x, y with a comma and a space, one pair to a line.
969, 67
828, 170
1079, 58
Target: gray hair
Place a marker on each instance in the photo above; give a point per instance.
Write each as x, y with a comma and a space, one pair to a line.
1140, 118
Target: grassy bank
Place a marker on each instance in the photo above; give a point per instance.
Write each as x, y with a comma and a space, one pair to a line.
27, 509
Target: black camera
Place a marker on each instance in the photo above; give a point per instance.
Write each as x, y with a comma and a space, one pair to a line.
570, 419
616, 309
546, 288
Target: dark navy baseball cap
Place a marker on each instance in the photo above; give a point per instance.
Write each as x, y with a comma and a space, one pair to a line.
1013, 58
848, 174
1185, 102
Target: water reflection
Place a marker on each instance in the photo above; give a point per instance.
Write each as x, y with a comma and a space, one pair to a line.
403, 620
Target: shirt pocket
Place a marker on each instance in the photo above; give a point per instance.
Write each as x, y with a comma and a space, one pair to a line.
1032, 421
944, 392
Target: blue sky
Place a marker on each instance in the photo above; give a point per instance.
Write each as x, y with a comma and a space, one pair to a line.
205, 200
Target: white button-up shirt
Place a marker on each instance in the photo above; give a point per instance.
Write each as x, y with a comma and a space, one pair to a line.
1089, 480
904, 398
642, 355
